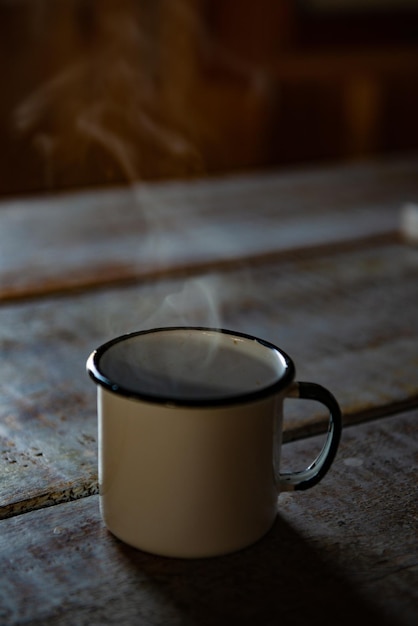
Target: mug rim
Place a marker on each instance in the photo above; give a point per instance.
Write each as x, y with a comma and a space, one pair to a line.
97, 375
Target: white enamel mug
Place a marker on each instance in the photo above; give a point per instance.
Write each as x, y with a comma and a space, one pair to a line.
190, 429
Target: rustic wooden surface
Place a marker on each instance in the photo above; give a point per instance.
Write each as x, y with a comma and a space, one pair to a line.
78, 240
342, 553
311, 261
347, 318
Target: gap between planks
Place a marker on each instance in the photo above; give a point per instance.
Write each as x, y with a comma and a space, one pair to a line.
126, 276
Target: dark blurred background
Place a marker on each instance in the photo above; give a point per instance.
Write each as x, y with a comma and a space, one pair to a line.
105, 92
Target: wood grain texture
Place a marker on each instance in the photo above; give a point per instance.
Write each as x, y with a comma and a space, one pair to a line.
54, 244
348, 319
344, 552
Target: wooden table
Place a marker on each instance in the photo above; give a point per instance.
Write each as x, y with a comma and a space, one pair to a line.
311, 260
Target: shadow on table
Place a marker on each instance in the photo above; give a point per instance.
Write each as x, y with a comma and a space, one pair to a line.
281, 580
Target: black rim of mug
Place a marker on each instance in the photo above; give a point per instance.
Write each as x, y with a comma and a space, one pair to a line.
95, 372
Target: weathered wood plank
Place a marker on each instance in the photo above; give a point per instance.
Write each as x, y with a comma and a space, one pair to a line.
348, 320
343, 552
79, 240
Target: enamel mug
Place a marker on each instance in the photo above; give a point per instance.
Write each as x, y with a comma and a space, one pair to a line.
190, 430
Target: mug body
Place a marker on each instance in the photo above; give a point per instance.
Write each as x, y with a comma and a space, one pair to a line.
187, 481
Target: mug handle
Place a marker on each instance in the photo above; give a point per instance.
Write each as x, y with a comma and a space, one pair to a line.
307, 478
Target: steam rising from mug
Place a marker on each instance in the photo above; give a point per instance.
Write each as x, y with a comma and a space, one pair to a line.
196, 302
